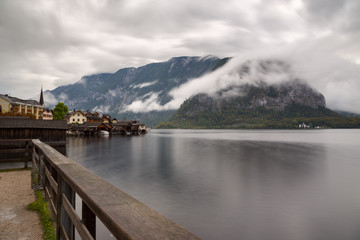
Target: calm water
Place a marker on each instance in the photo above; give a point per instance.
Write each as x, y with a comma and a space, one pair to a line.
238, 184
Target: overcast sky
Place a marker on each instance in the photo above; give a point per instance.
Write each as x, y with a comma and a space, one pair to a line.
53, 43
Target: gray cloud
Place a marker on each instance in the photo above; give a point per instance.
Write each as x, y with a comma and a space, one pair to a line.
54, 43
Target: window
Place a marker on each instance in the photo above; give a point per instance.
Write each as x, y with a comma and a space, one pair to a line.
0, 109
73, 119
78, 115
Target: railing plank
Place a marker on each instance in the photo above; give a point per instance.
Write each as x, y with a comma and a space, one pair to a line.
50, 199
80, 227
124, 216
35, 155
11, 160
20, 150
63, 233
51, 180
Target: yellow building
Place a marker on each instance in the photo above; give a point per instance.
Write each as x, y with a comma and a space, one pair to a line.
15, 105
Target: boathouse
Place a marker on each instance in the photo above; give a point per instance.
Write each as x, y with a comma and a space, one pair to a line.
51, 132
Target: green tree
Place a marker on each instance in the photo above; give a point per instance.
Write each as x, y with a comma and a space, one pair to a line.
60, 111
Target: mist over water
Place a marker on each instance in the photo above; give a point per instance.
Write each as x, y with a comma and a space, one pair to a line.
237, 184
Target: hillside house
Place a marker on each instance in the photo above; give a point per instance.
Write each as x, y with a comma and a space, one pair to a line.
15, 105
76, 117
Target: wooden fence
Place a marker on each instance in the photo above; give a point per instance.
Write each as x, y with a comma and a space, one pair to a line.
124, 216
15, 150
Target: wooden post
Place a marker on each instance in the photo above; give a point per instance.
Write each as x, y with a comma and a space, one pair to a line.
41, 175
89, 219
26, 154
58, 208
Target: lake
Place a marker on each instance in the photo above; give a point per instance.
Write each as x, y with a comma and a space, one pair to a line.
237, 184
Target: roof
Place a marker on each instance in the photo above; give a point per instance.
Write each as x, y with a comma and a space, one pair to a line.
18, 122
48, 109
15, 100
74, 112
94, 118
88, 125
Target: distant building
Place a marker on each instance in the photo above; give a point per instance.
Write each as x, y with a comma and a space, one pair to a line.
94, 119
47, 114
76, 117
303, 125
15, 106
106, 119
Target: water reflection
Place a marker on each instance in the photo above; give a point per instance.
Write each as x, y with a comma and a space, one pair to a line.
233, 185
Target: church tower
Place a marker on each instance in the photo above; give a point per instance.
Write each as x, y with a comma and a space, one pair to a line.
42, 98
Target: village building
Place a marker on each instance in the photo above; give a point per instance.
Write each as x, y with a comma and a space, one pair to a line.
106, 119
142, 128
303, 125
19, 106
94, 119
47, 114
89, 128
76, 117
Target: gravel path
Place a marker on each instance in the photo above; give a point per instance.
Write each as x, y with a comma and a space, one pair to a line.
15, 194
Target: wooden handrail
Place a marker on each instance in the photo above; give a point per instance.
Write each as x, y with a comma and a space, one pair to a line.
123, 215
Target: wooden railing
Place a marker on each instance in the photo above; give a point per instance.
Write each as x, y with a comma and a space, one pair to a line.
124, 216
15, 150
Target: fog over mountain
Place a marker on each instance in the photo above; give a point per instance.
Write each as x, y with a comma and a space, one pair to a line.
164, 86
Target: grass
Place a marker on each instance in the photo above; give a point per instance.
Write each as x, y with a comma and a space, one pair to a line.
40, 206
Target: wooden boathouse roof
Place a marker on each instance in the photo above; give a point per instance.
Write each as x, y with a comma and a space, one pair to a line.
24, 122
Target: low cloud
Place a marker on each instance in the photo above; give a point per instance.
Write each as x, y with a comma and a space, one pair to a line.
148, 103
82, 81
101, 109
63, 97
142, 85
337, 78
49, 99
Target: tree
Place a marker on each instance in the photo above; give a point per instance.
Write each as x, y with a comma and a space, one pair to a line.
60, 111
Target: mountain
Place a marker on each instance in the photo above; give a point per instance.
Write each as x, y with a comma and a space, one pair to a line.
134, 92
259, 99
252, 106
198, 92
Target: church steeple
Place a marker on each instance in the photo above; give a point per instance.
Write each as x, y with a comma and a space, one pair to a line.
41, 97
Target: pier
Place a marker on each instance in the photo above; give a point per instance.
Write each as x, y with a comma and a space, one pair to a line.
61, 179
